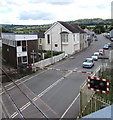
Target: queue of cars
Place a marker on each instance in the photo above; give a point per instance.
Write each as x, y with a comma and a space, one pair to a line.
89, 62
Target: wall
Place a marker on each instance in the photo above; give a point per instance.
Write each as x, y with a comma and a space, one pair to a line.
32, 45
49, 61
13, 36
0, 43
9, 54
111, 56
55, 38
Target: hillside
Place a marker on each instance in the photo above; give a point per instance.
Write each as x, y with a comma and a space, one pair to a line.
37, 28
96, 21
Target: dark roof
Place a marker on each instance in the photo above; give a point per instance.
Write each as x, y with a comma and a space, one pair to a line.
77, 27
69, 27
41, 35
74, 28
63, 32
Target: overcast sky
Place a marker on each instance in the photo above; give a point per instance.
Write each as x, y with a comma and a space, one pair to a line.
36, 12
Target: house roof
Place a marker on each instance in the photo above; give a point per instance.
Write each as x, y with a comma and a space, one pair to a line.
74, 28
77, 27
69, 27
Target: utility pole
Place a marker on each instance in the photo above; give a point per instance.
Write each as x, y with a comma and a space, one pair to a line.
51, 49
33, 56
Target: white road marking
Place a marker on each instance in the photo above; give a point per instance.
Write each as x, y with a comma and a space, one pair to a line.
43, 93
70, 106
50, 87
30, 77
24, 80
20, 82
13, 115
25, 106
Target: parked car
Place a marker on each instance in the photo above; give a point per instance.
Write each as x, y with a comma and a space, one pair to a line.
88, 63
95, 56
96, 39
109, 44
66, 55
106, 46
101, 51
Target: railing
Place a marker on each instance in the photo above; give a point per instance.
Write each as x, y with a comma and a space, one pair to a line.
89, 101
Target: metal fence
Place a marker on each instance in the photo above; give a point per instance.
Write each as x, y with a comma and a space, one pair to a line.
89, 101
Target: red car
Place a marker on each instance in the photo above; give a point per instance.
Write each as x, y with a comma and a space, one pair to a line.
101, 51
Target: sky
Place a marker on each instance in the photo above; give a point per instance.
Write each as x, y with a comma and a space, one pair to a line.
39, 12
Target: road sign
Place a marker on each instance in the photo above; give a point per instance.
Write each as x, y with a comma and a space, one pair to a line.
98, 84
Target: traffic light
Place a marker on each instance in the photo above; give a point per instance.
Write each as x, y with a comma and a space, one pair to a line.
98, 84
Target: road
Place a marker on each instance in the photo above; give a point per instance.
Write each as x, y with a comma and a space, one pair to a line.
60, 90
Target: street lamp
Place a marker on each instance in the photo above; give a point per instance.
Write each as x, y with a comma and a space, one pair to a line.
33, 56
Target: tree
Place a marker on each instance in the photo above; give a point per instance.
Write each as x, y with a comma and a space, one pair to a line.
83, 26
6, 31
99, 29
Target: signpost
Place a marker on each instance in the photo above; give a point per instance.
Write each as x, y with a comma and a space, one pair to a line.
98, 84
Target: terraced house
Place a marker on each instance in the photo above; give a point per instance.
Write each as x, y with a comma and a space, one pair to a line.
69, 38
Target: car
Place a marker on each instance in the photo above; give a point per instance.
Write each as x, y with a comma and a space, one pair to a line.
101, 51
88, 63
109, 44
96, 39
66, 55
95, 56
106, 46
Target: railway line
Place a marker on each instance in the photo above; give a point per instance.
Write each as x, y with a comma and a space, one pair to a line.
14, 102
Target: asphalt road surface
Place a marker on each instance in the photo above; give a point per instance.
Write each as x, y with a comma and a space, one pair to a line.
60, 89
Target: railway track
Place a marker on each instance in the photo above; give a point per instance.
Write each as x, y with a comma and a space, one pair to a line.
14, 102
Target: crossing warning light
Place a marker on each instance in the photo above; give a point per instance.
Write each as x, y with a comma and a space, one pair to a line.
98, 84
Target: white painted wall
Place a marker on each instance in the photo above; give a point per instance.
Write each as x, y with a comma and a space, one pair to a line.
0, 43
18, 37
49, 61
111, 33
26, 37
55, 38
9, 36
21, 54
111, 55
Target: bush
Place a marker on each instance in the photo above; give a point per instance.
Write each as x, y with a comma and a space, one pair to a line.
49, 54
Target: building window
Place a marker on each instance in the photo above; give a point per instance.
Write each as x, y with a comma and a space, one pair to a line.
23, 45
74, 37
18, 43
64, 37
24, 59
48, 39
56, 45
19, 60
40, 41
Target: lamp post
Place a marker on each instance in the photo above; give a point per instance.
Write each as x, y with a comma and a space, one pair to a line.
33, 56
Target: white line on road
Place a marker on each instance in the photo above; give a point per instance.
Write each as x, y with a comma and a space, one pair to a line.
70, 106
30, 77
42, 93
20, 82
24, 80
